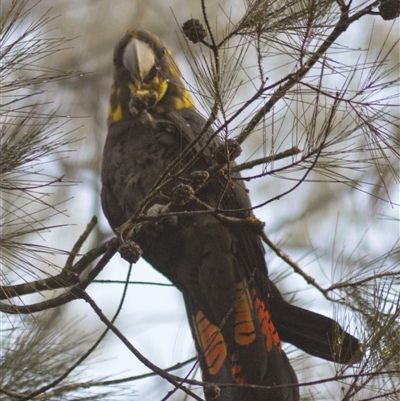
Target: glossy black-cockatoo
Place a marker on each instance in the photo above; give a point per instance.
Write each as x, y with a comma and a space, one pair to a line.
236, 314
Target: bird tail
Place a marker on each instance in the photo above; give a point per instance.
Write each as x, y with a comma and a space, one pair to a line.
313, 333
244, 350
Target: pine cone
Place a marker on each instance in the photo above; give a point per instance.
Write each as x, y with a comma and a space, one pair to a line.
194, 30
389, 9
130, 251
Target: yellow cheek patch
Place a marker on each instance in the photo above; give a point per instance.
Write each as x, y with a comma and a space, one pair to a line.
173, 71
177, 103
158, 85
267, 327
188, 97
115, 90
115, 115
132, 33
245, 332
146, 95
212, 343
133, 88
184, 102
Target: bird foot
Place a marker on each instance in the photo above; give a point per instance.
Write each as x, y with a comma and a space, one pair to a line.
139, 104
163, 222
141, 101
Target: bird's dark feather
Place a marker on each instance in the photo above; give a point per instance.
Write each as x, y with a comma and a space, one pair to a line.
233, 308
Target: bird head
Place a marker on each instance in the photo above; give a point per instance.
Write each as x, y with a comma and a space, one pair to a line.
146, 78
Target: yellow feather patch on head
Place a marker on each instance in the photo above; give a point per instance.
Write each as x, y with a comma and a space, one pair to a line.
188, 98
158, 85
176, 103
173, 71
179, 104
132, 33
182, 102
115, 115
133, 88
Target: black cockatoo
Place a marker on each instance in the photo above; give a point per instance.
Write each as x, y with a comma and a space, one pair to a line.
236, 314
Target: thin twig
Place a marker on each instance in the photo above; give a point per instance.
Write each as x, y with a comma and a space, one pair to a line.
268, 159
43, 389
341, 26
174, 380
72, 293
295, 266
65, 279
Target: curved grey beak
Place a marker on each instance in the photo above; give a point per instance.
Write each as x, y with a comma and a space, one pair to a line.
138, 59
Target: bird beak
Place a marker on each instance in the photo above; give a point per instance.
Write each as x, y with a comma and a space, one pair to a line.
139, 60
